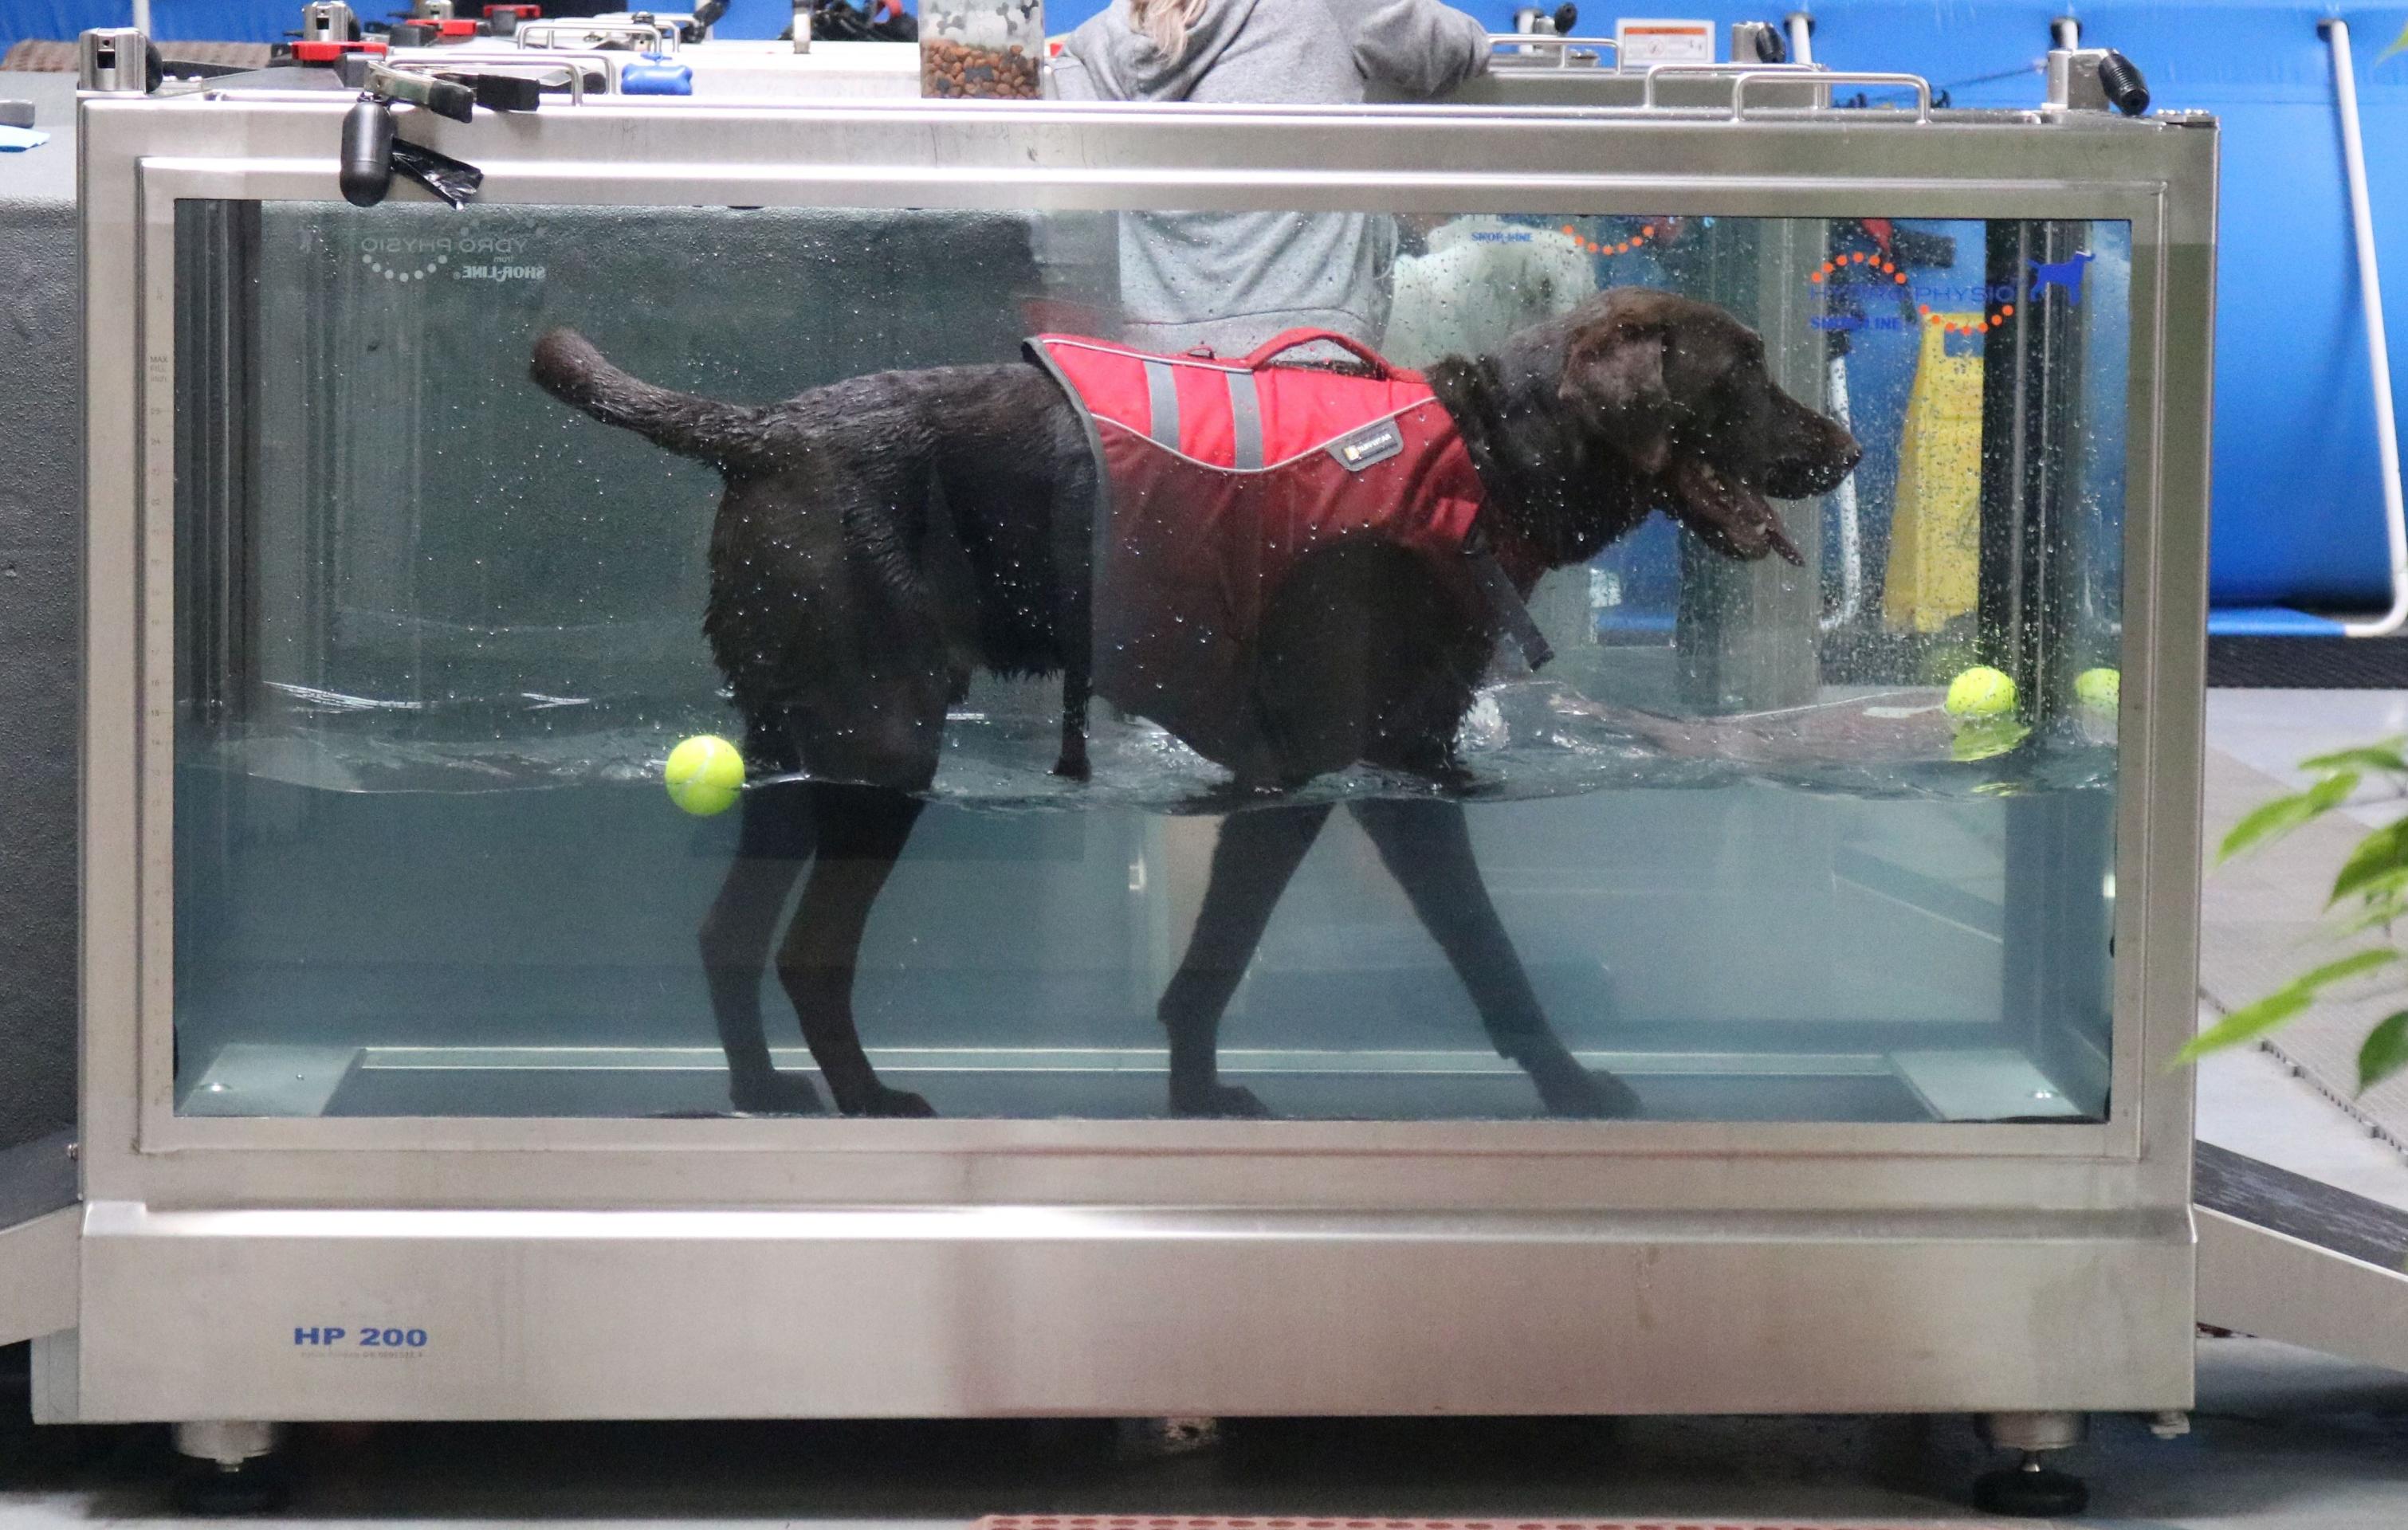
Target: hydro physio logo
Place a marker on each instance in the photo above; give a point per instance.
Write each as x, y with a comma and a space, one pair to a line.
469, 257
1940, 305
1640, 240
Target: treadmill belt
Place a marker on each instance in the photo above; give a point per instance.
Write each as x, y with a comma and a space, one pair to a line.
2298, 1206
2308, 663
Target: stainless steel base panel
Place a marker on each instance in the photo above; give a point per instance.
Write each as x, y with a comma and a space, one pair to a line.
292, 1315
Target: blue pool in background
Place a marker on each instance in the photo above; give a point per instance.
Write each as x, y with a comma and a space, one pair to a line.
2298, 497
2298, 494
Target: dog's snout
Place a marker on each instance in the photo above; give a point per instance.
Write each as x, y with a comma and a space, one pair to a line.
1851, 452
1819, 469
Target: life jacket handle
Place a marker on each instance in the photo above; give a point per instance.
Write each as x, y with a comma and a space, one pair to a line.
1261, 356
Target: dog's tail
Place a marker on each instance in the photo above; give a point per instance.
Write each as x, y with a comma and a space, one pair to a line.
567, 366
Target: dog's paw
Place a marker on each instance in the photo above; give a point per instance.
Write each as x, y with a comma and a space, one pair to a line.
892, 1105
1221, 1102
1576, 1093
775, 1095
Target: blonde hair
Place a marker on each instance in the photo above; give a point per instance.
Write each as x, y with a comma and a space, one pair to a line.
1165, 22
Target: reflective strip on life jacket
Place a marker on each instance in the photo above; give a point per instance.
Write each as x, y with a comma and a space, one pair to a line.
1246, 421
1161, 402
1245, 405
1231, 416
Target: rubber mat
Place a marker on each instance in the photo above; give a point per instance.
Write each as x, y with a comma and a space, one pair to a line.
1100, 1522
2298, 1207
2308, 663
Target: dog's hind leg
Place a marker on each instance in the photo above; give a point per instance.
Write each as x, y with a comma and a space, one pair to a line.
1257, 853
860, 830
1426, 846
773, 842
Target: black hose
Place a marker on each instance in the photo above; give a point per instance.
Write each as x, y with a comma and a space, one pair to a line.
366, 164
2120, 79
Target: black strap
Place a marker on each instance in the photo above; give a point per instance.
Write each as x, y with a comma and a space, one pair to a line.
455, 180
1513, 614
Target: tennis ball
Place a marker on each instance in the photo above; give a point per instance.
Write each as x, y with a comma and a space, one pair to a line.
704, 774
1980, 693
2102, 687
1985, 737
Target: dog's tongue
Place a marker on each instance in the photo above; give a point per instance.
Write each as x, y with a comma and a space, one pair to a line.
1733, 519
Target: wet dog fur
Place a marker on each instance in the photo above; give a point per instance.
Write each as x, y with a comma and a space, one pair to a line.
883, 538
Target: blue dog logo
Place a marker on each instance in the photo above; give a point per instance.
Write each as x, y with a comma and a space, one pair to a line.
2065, 275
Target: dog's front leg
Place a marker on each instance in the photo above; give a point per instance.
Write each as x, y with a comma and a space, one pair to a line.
1426, 846
1257, 853
860, 831
1076, 687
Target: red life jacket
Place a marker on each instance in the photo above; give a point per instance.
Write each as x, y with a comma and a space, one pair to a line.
1220, 476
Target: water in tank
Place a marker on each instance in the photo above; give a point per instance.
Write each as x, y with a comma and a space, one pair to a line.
1666, 827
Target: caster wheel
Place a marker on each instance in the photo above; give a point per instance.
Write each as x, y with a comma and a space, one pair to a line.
2031, 1492
207, 1488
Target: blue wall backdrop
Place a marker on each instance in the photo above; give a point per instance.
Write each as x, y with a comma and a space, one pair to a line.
240, 21
2297, 499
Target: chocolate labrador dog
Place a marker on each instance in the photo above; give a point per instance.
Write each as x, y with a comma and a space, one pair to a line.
883, 538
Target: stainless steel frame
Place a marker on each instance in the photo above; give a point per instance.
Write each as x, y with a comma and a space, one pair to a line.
567, 1268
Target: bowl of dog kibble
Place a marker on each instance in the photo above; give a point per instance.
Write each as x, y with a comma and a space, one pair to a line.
982, 50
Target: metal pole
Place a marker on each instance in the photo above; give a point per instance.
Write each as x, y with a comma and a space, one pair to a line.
1852, 536
142, 16
1800, 26
2378, 352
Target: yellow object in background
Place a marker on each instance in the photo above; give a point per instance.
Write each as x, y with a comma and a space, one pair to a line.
1935, 552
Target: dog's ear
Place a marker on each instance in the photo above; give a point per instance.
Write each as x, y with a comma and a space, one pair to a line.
1613, 377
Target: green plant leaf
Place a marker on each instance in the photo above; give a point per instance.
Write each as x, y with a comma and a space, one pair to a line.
2386, 1052
2380, 855
2383, 884
2399, 45
2381, 910
2252, 1021
2272, 820
2384, 756
2247, 1023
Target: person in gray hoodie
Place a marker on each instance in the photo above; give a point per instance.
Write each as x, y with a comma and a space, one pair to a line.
1231, 280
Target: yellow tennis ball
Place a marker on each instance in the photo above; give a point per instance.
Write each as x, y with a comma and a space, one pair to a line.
2103, 687
1981, 692
1984, 737
705, 774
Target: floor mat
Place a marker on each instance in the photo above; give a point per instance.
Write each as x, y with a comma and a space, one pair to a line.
1142, 1522
2298, 1207
2259, 929
2308, 663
